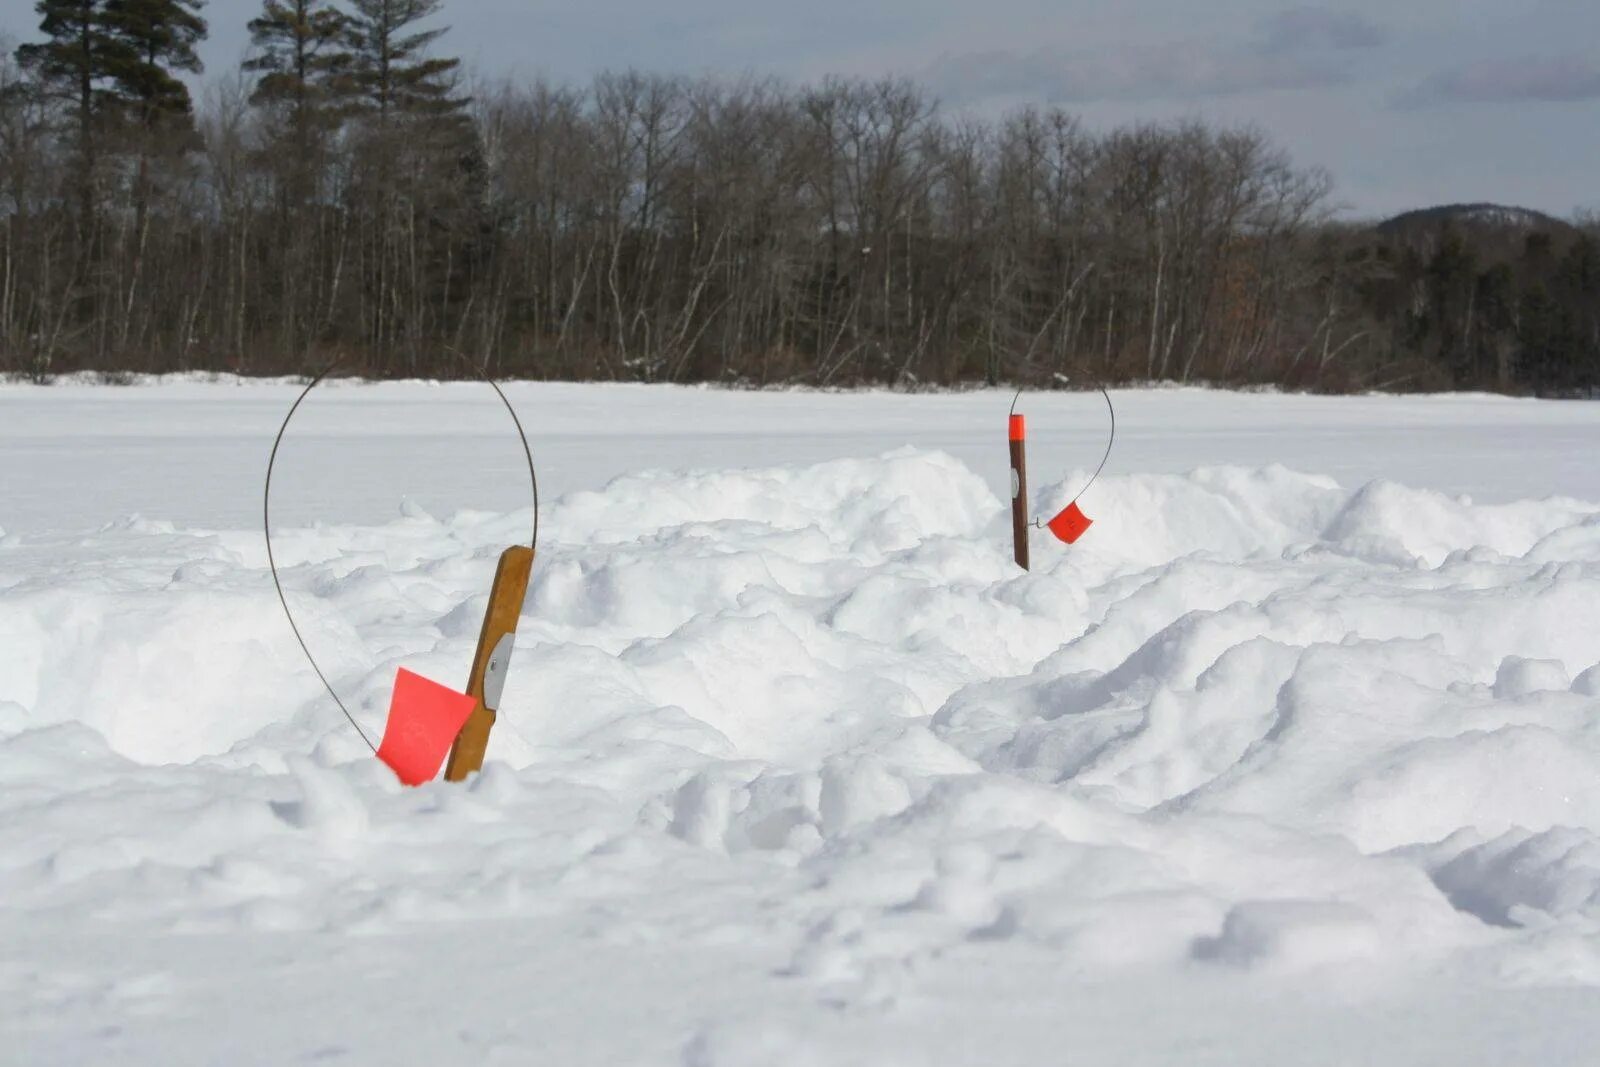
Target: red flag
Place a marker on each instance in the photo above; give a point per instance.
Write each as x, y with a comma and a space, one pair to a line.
1070, 524
424, 719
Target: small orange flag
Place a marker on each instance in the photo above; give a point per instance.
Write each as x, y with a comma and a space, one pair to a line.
424, 719
1070, 524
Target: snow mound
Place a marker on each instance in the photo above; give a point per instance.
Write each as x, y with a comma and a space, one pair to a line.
1520, 876
1254, 722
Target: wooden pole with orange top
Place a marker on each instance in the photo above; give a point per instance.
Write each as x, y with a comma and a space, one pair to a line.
1019, 486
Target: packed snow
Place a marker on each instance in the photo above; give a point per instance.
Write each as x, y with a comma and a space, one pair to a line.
1293, 759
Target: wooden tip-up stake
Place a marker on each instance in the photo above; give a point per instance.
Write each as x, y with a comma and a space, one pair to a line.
492, 661
1019, 489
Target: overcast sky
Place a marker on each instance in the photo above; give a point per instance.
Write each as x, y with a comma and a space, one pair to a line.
1406, 102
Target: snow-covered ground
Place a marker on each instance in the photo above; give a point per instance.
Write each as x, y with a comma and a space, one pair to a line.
1294, 759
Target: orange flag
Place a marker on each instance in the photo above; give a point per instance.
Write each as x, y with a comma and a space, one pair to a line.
1070, 524
424, 719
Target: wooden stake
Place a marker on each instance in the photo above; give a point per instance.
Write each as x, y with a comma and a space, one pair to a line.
490, 663
1019, 490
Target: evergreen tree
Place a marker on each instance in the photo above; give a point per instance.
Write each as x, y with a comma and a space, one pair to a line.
1451, 278
391, 73
298, 55
416, 166
158, 37
1538, 335
76, 57
1496, 301
299, 63
1578, 278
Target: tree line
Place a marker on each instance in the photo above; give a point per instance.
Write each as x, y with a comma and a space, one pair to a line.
347, 194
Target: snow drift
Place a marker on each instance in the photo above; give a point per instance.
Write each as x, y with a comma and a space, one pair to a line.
1256, 723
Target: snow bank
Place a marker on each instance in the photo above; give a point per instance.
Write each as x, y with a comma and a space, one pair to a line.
1256, 722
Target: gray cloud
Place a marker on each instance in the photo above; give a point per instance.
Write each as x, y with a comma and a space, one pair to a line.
1319, 27
1135, 72
1537, 79
1298, 48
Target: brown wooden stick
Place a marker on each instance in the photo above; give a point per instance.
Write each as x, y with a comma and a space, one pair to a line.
1019, 490
510, 589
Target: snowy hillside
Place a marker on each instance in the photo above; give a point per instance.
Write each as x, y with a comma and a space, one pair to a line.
1284, 763
1484, 216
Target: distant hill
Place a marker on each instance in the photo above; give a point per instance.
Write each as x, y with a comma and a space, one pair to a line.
1497, 217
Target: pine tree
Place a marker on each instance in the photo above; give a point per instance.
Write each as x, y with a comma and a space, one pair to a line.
391, 73
1578, 279
415, 166
298, 55
299, 62
1497, 318
1451, 277
158, 38
76, 57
